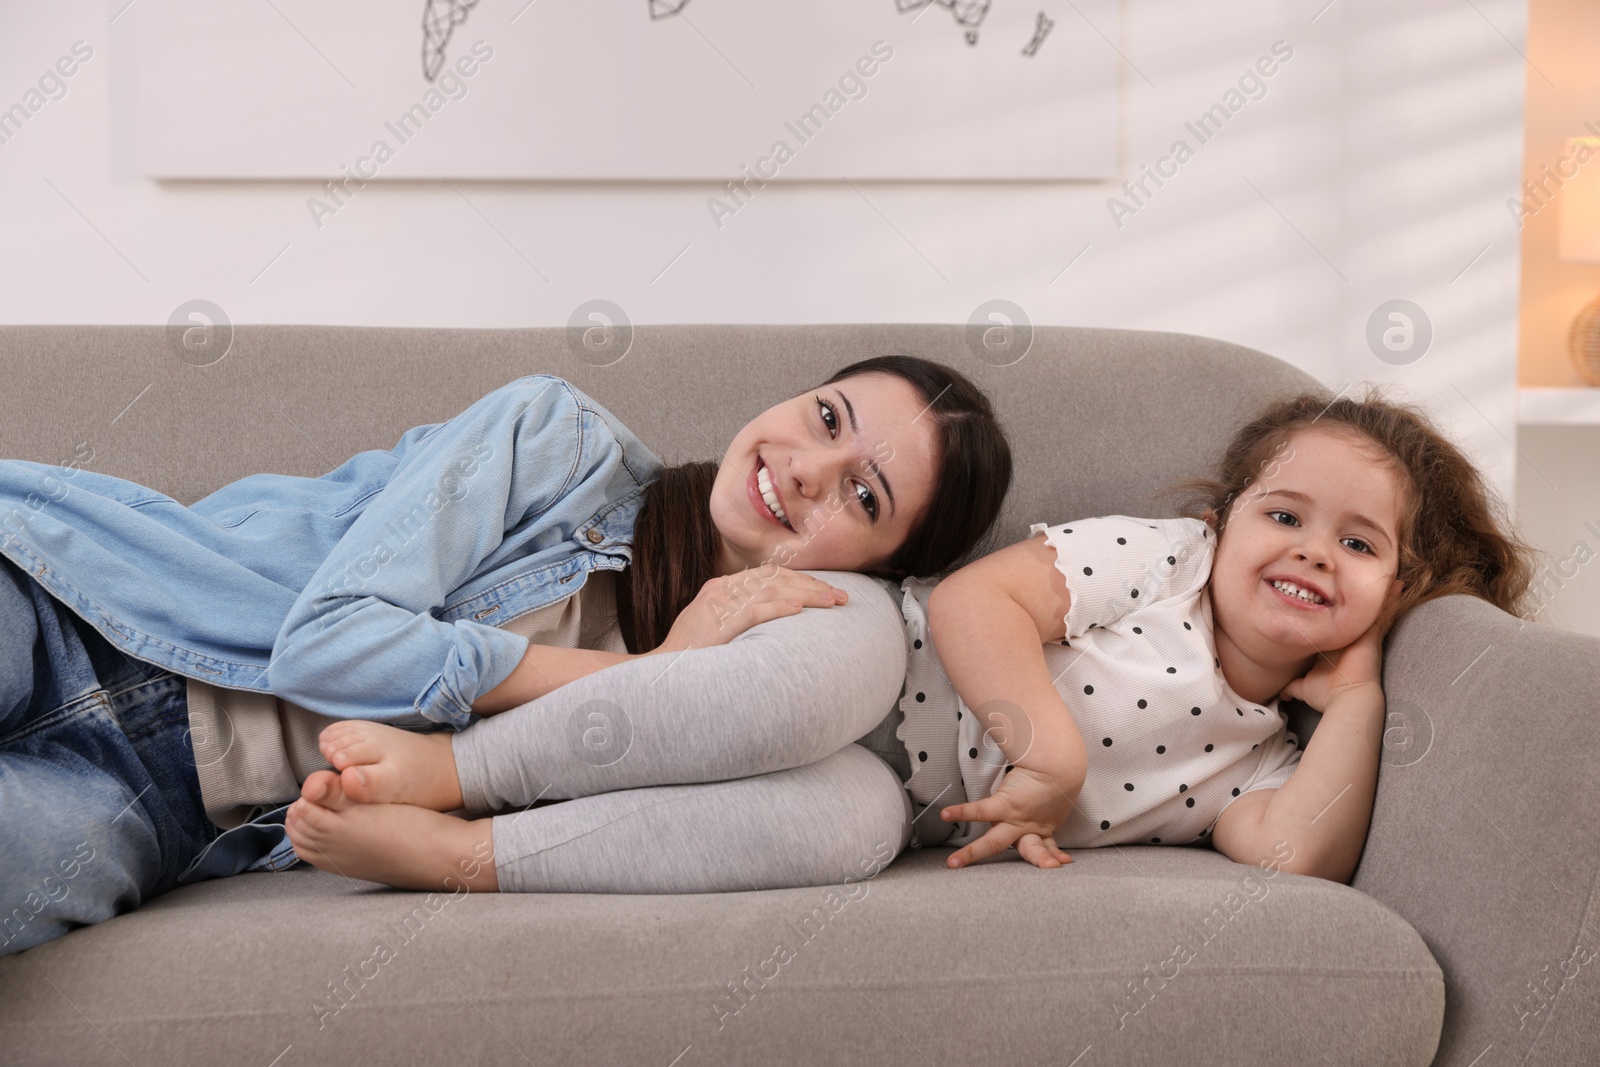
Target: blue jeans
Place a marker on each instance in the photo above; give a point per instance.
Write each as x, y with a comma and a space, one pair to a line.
100, 806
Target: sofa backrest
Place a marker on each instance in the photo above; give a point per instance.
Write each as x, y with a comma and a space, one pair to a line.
1098, 419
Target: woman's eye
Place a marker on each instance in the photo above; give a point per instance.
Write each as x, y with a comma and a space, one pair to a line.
830, 418
868, 500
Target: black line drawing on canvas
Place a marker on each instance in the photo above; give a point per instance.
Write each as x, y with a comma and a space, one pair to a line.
967, 13
439, 21
1040, 32
441, 17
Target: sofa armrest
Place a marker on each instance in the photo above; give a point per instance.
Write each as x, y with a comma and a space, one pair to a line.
1485, 830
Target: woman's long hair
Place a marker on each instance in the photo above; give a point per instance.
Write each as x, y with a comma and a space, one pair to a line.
675, 542
1453, 538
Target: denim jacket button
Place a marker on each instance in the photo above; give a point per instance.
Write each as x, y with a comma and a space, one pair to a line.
595, 537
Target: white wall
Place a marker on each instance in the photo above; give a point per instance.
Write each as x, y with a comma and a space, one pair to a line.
1558, 489
1376, 166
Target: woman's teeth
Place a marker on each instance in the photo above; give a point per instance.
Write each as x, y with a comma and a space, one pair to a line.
764, 483
1294, 590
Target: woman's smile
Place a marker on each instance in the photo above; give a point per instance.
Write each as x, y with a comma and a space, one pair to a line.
758, 499
852, 464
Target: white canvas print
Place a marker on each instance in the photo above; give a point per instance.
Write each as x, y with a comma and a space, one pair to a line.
628, 89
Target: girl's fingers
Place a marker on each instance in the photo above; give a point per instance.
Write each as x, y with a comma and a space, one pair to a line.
1041, 853
996, 841
972, 811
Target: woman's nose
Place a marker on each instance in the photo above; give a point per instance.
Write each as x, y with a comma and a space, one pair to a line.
813, 471
803, 473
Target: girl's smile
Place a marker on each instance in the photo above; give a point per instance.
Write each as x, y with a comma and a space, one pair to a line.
1306, 560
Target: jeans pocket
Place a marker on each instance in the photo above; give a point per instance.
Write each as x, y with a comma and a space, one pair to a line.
254, 846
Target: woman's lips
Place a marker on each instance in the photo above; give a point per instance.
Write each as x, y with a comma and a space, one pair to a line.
758, 501
1294, 601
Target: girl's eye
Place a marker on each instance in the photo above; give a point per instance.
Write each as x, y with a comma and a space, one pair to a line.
1365, 548
868, 500
830, 418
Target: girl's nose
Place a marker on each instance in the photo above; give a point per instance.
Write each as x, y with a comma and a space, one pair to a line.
1313, 551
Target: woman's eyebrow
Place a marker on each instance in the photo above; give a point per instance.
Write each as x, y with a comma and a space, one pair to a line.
872, 465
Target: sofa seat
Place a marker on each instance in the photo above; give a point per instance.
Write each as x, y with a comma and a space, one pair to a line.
244, 969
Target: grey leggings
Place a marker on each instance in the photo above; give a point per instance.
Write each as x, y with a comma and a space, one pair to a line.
718, 769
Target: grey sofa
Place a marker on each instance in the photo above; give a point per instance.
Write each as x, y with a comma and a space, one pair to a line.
1467, 937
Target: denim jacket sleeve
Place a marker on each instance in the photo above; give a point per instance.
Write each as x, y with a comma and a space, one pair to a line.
361, 640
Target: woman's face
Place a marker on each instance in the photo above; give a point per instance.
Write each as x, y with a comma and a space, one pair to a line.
851, 466
1323, 514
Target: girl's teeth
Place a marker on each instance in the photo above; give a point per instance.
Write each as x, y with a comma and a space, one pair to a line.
1294, 590
764, 483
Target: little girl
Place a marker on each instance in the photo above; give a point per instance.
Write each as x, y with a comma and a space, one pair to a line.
1126, 672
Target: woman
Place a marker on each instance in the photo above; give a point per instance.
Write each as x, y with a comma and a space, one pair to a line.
397, 588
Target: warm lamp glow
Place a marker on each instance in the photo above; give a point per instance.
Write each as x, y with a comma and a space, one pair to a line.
1580, 202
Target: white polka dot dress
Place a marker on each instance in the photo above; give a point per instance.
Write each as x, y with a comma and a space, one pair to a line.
1170, 745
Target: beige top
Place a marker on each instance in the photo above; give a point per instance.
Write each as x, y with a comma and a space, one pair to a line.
253, 750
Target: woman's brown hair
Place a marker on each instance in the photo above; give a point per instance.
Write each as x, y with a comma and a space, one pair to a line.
675, 542
1452, 535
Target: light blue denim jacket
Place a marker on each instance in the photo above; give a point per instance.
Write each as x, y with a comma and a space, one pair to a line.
371, 592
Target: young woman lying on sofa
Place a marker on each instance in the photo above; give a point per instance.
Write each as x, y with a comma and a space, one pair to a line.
1126, 675
165, 671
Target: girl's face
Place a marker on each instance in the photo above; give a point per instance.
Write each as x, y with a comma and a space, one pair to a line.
851, 466
1323, 515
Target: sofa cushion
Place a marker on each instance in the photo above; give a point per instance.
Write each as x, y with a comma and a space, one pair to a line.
1099, 419
999, 962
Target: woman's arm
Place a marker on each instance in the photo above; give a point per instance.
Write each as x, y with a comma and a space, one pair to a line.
361, 640
543, 669
989, 622
784, 693
724, 608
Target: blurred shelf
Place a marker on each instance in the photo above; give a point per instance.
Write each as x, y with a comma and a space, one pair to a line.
1547, 406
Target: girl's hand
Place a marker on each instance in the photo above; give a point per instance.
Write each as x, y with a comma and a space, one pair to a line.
1024, 811
729, 605
1357, 665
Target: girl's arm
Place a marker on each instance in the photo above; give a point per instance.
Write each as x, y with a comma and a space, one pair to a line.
724, 608
1322, 812
989, 622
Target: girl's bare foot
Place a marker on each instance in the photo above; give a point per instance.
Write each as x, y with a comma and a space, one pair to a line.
381, 764
396, 844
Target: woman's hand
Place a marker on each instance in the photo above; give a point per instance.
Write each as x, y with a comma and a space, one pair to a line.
729, 605
1024, 811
